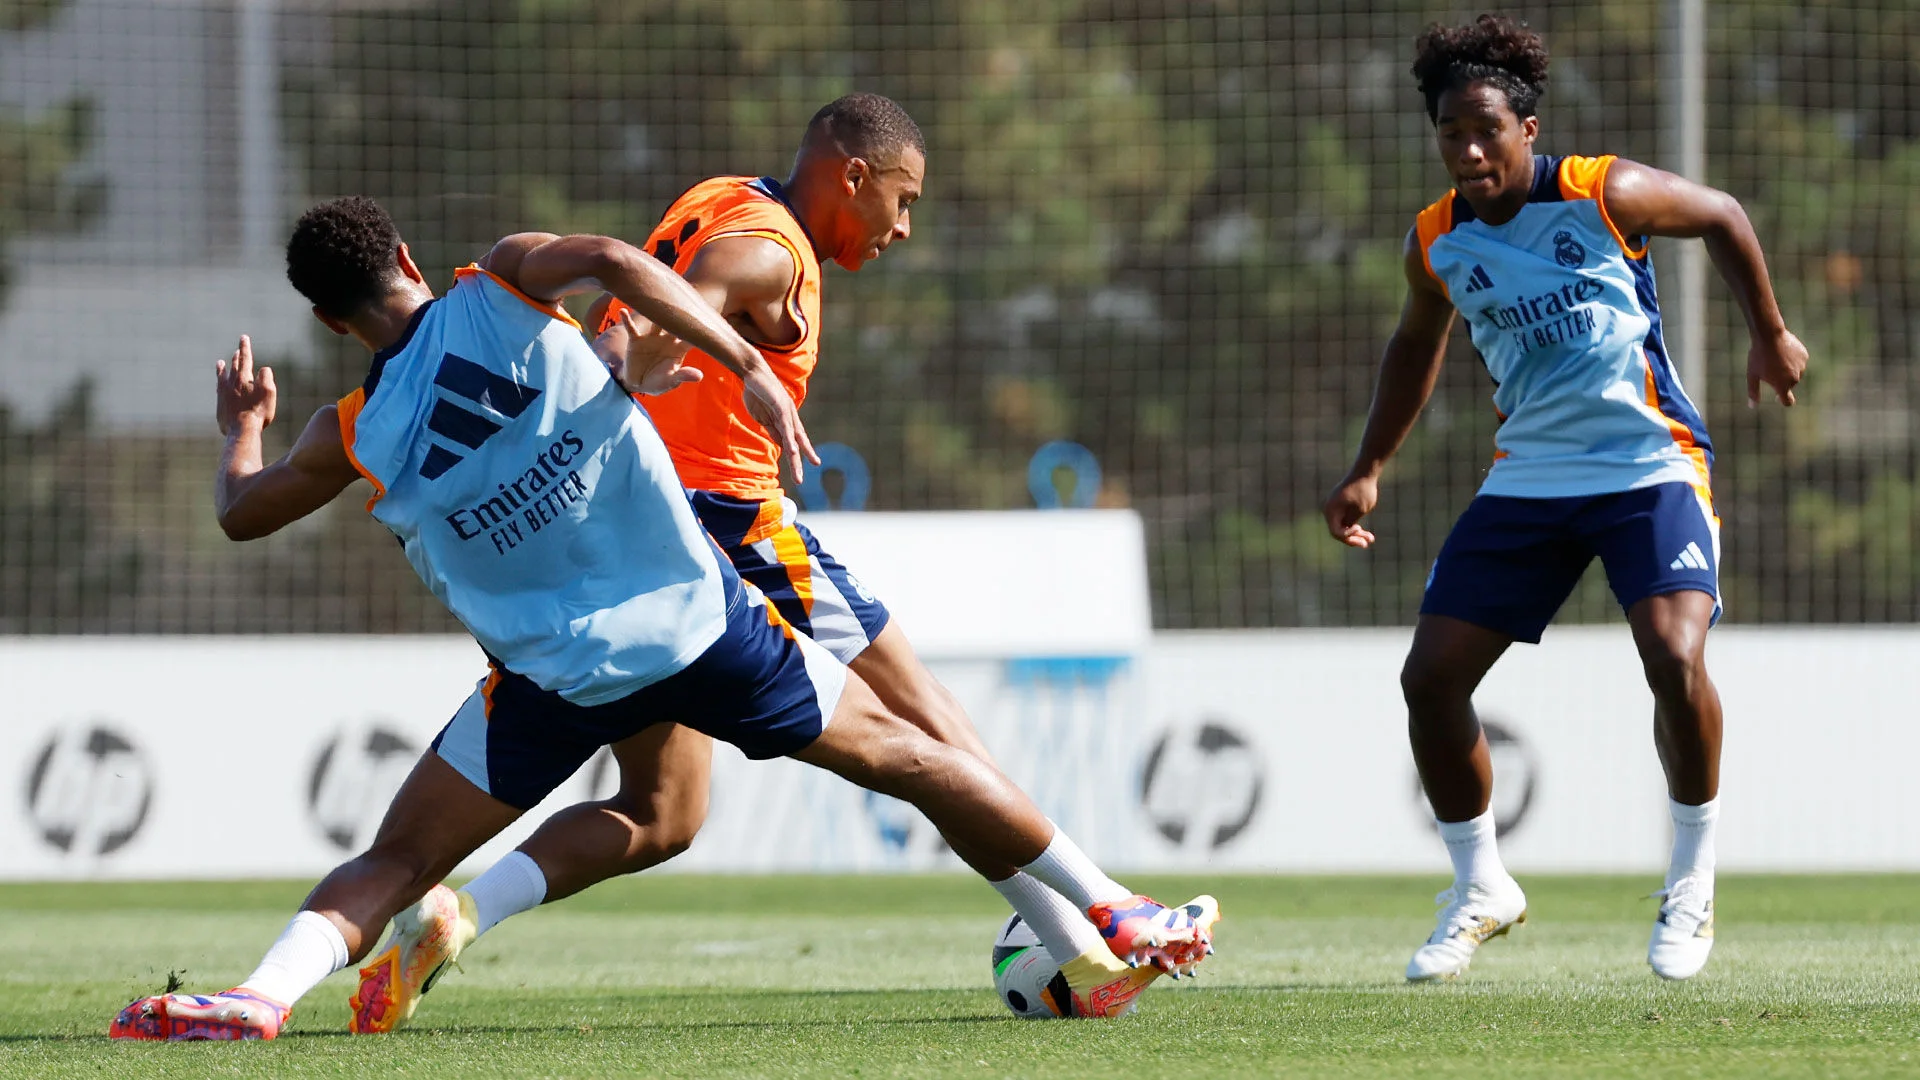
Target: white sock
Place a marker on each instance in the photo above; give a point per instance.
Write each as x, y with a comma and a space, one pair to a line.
1063, 929
1065, 869
1470, 844
1692, 839
509, 887
308, 950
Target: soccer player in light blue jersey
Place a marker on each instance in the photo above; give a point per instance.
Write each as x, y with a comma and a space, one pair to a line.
1599, 454
542, 508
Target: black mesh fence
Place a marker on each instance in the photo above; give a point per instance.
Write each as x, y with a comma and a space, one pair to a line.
1165, 230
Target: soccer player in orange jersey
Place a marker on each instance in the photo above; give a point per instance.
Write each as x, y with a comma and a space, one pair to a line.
753, 247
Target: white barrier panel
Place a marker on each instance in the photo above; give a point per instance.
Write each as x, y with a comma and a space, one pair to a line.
1252, 751
1003, 583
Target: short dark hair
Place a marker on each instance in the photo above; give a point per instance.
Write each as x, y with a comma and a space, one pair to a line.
344, 255
868, 126
1492, 49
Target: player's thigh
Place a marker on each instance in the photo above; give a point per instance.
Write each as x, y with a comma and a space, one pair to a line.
897, 675
438, 817
867, 744
1449, 657
1507, 566
1658, 541
668, 767
1670, 631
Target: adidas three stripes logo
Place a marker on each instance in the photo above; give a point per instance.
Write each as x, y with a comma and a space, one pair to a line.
1691, 558
462, 379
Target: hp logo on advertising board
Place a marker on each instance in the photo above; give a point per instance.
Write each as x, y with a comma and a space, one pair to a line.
1202, 785
89, 791
353, 779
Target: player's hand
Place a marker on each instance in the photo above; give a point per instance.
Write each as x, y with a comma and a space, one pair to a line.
769, 403
1352, 500
643, 358
1779, 361
243, 394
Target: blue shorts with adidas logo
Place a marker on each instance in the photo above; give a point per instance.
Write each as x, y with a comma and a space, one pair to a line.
1511, 562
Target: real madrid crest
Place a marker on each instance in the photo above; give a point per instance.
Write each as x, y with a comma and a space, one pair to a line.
1567, 251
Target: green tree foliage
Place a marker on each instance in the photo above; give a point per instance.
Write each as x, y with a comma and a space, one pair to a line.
60, 569
1171, 230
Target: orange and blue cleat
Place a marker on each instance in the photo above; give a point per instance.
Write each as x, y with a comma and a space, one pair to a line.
1140, 930
234, 1014
426, 938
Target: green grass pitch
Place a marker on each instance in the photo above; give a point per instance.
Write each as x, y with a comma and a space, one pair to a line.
888, 976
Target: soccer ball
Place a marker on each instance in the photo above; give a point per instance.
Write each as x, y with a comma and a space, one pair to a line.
1026, 976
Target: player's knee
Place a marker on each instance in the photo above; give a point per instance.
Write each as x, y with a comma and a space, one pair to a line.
903, 760
667, 821
681, 816
409, 870
1676, 672
933, 709
1428, 685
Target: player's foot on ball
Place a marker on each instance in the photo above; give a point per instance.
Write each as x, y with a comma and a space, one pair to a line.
1144, 931
233, 1014
1468, 919
426, 938
1104, 986
1683, 934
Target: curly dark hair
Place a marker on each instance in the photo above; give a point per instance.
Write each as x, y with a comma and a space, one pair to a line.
1492, 49
343, 255
868, 126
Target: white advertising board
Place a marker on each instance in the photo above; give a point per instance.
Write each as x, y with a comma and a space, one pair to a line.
1267, 752
1030, 584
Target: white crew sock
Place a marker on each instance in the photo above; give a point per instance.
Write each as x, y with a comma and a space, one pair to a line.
308, 950
1064, 930
1692, 839
1476, 858
1065, 869
509, 887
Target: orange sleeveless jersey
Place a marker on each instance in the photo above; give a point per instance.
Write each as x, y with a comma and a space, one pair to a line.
716, 445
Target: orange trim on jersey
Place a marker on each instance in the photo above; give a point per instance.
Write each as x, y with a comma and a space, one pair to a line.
487, 688
1586, 178
792, 552
347, 410
792, 301
1433, 223
552, 310
1682, 437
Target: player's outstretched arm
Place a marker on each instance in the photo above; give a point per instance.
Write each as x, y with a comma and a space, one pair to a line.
548, 267
1643, 201
747, 279
250, 499
1408, 370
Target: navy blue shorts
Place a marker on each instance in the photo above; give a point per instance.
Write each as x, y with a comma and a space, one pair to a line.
760, 687
1510, 563
820, 597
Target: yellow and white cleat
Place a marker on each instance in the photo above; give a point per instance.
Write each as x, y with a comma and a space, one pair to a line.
1469, 918
427, 937
1103, 986
1683, 934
